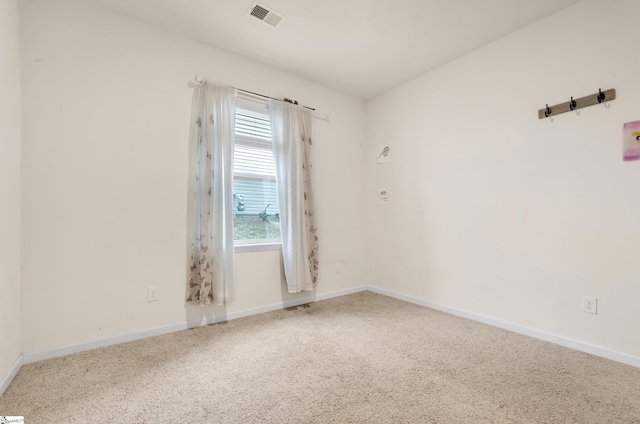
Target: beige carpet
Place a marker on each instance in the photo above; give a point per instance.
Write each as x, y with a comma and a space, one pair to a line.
363, 358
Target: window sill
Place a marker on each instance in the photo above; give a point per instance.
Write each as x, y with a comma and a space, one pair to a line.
257, 247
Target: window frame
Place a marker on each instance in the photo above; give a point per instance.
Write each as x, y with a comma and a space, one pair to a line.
250, 102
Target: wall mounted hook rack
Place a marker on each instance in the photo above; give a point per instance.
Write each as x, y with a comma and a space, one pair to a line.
575, 104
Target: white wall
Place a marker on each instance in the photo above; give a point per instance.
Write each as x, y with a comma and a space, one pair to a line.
494, 212
105, 174
9, 185
498, 213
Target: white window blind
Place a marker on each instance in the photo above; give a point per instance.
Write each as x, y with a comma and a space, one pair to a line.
253, 161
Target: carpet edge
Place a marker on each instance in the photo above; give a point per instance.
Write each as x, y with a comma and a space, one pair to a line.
30, 357
41, 355
602, 352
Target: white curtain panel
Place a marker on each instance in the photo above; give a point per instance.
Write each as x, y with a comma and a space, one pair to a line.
291, 127
211, 277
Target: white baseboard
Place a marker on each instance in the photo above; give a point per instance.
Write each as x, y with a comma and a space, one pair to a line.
7, 379
41, 355
56, 352
516, 328
30, 357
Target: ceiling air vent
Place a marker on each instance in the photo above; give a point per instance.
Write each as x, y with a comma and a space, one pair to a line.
266, 14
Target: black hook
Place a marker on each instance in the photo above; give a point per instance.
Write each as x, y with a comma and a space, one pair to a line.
547, 111
573, 104
601, 96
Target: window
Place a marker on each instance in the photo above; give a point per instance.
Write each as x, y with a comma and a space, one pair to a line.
256, 215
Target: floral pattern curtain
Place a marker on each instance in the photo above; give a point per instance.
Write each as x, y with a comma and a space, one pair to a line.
211, 275
291, 127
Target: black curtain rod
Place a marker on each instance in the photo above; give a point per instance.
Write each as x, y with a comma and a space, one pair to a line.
295, 102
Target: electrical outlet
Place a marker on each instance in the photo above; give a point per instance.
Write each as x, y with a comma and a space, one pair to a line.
590, 304
153, 294
338, 267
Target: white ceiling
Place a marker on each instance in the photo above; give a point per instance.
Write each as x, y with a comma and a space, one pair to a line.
359, 47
